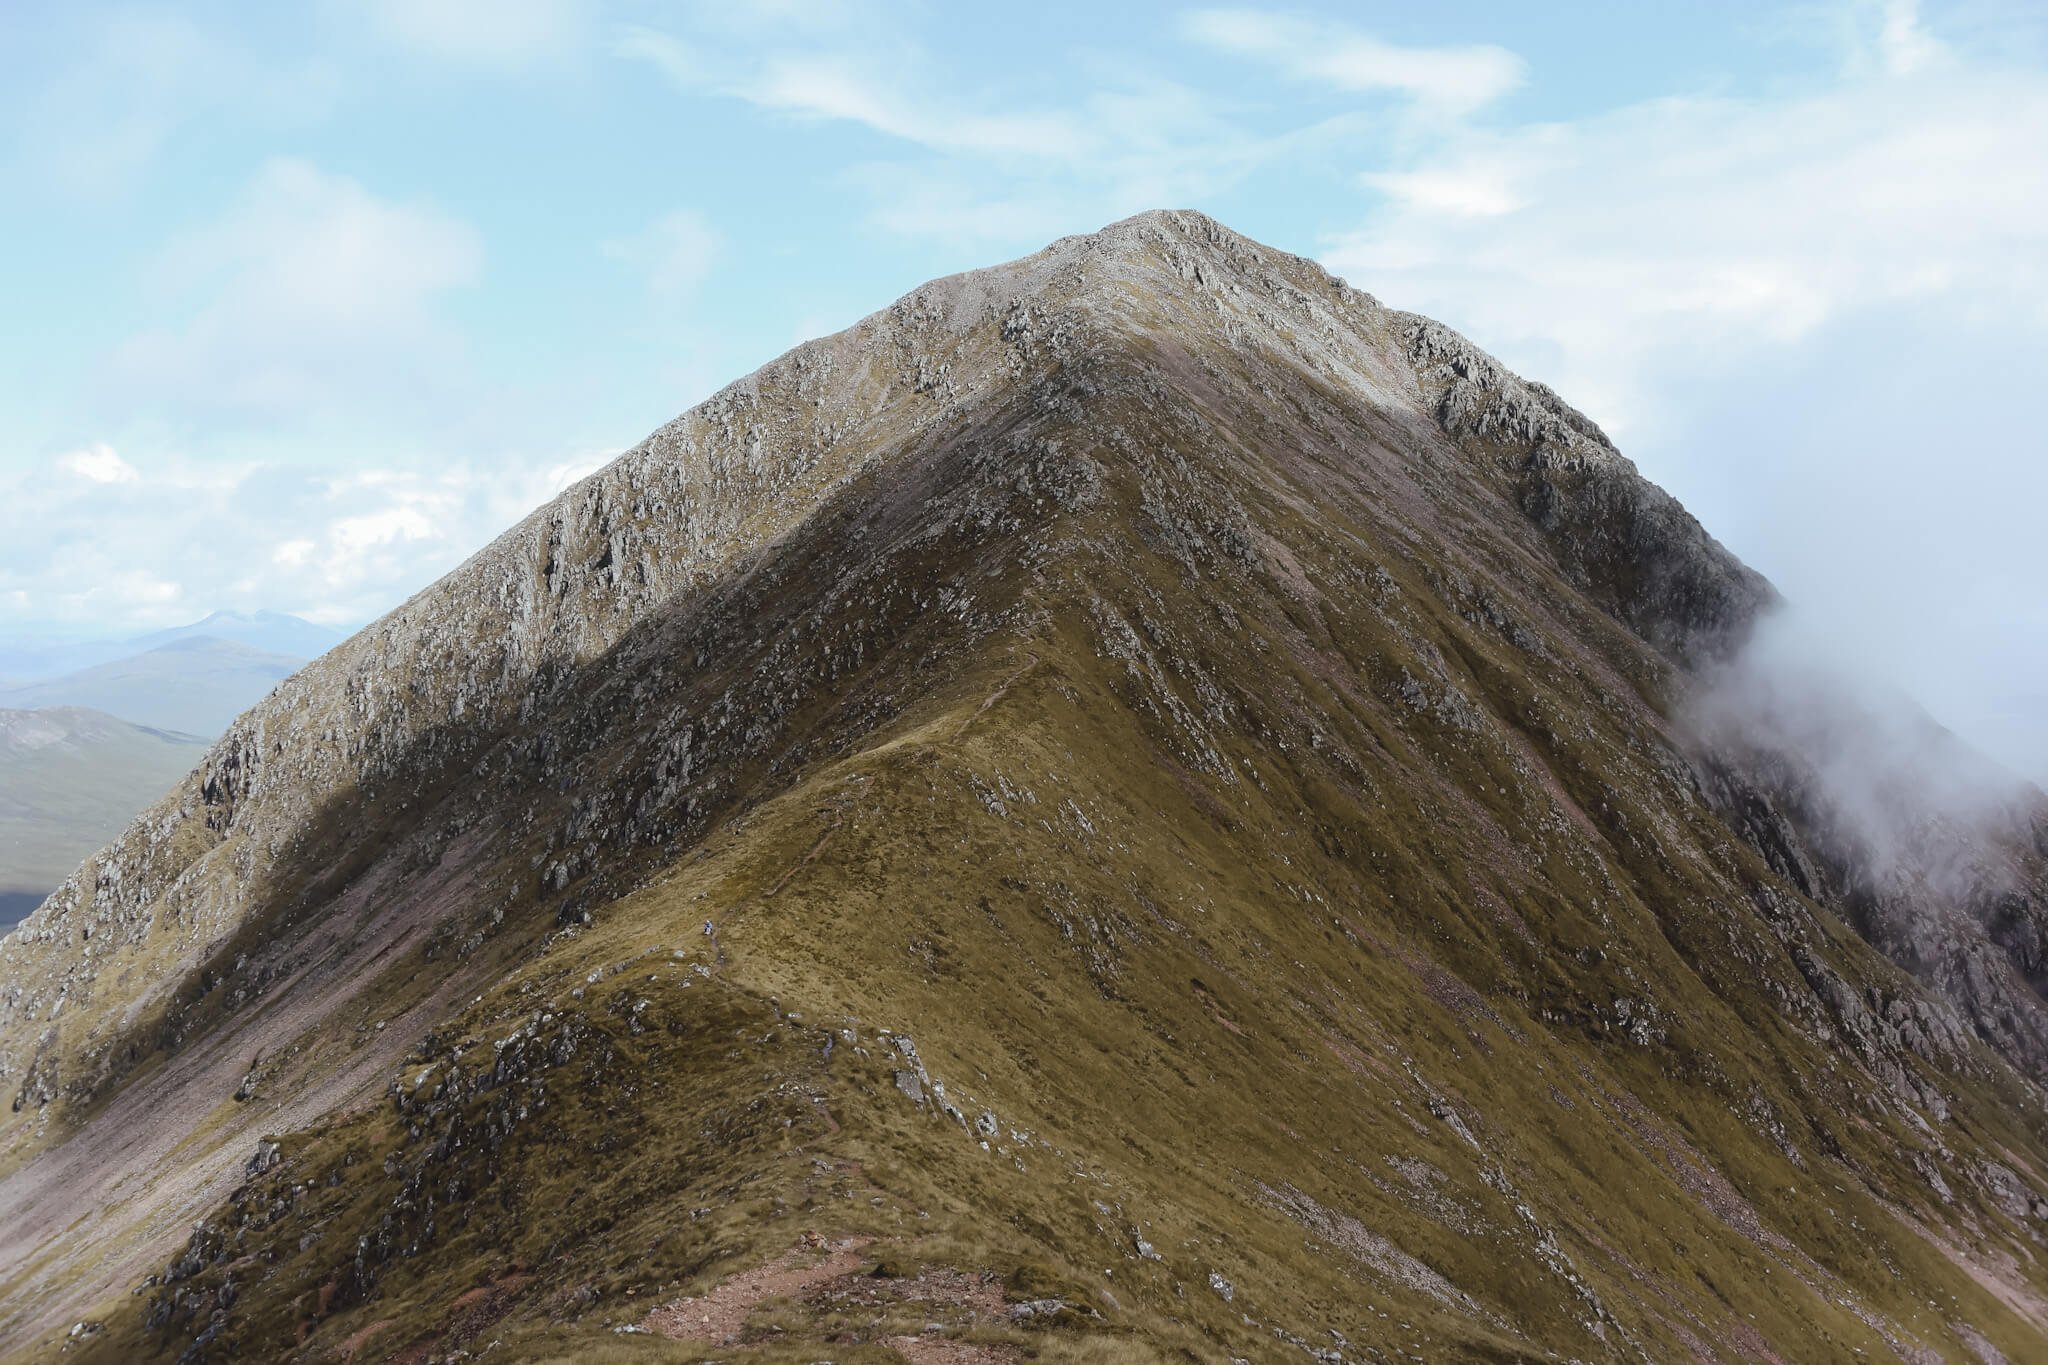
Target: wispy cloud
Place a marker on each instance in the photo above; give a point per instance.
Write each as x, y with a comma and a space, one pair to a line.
854, 87
674, 254
97, 463
959, 162
1351, 60
100, 125
1473, 190
123, 542
1615, 248
835, 88
504, 35
665, 52
1899, 42
310, 290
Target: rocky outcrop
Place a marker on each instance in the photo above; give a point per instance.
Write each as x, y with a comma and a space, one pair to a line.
1618, 535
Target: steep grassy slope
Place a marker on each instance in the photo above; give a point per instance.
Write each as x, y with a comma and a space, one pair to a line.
70, 780
1125, 809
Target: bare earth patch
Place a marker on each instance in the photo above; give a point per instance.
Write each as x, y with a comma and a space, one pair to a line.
979, 1296
720, 1315
937, 1350
356, 1341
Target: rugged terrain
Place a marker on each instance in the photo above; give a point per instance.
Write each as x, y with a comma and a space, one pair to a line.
1135, 805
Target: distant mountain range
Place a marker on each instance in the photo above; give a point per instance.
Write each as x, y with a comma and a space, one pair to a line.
272, 632
92, 732
195, 684
70, 780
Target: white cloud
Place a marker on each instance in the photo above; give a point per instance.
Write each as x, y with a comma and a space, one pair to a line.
1469, 192
836, 88
352, 535
966, 169
197, 535
542, 482
1342, 57
1611, 253
133, 587
505, 35
861, 88
1903, 45
97, 463
1816, 313
311, 290
662, 51
675, 253
100, 125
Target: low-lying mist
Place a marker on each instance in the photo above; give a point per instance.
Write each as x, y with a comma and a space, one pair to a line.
1890, 795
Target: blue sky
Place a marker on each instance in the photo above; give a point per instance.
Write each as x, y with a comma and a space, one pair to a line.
305, 302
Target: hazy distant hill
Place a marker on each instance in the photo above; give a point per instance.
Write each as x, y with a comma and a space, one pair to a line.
70, 780
95, 731
195, 685
273, 632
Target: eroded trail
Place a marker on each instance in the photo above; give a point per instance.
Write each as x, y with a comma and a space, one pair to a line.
719, 1316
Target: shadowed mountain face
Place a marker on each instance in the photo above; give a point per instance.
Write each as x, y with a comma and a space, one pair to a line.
1128, 807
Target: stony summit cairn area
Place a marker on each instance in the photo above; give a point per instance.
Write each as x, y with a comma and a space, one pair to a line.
1136, 805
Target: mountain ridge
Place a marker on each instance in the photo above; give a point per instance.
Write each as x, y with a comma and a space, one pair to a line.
1193, 615
1479, 398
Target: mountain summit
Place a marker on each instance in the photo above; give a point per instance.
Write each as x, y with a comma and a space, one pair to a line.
1133, 805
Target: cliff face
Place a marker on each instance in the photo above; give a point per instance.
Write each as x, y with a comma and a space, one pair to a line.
1136, 791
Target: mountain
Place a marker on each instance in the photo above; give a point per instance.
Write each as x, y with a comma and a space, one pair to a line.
70, 780
196, 684
1134, 805
271, 632
26, 657
100, 743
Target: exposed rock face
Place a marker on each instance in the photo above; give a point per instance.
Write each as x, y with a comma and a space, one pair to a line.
1933, 855
1225, 721
1618, 536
